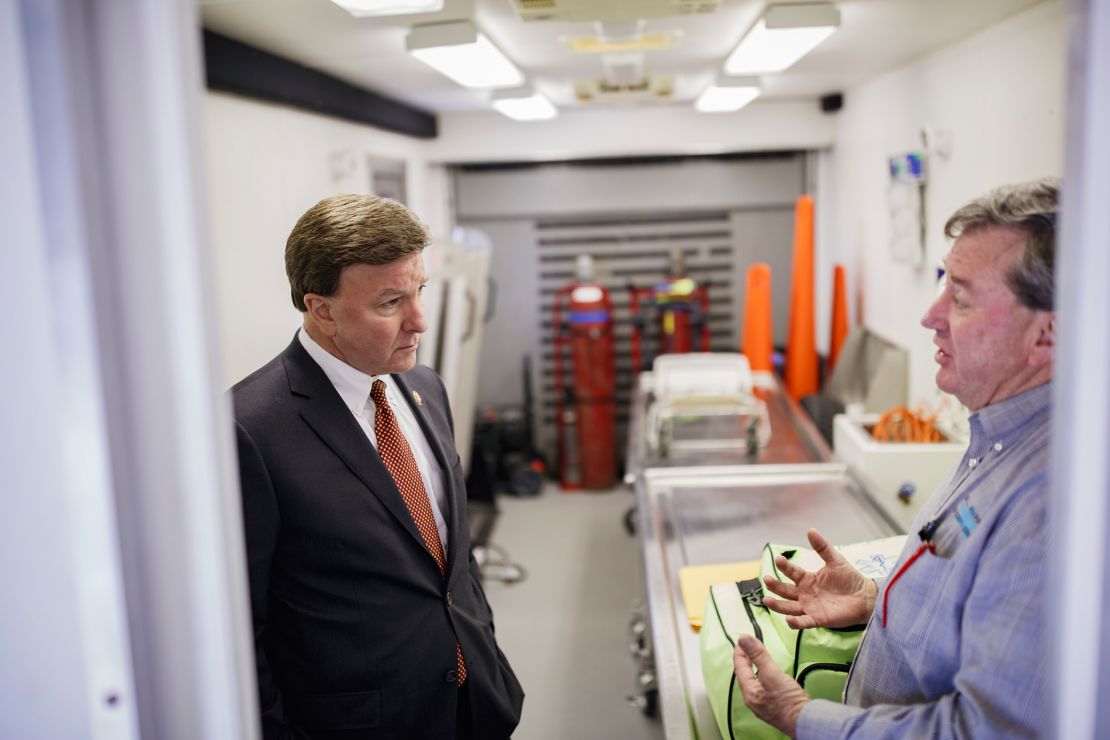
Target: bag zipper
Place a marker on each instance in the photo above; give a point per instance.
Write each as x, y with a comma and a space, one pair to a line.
751, 594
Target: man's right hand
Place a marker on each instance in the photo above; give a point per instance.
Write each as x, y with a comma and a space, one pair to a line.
838, 595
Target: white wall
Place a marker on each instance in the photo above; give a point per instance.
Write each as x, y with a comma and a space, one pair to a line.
516, 206
1000, 94
266, 165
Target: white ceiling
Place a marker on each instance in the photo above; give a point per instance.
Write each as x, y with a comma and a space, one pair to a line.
874, 36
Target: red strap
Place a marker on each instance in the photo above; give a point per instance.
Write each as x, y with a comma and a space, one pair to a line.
886, 594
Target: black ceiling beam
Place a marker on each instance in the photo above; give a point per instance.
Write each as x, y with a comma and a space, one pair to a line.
232, 66
649, 159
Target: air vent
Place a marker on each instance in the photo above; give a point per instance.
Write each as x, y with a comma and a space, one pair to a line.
697, 6
645, 42
623, 69
537, 10
647, 90
575, 11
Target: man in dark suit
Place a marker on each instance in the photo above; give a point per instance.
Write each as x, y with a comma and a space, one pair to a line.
370, 620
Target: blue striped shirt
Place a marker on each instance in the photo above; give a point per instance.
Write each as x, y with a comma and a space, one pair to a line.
963, 654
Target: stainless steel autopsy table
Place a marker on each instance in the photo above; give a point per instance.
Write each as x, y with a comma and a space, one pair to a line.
723, 506
694, 516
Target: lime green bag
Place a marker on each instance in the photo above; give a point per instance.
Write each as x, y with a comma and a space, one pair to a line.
817, 658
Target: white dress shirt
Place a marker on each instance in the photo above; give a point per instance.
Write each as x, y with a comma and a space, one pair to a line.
353, 387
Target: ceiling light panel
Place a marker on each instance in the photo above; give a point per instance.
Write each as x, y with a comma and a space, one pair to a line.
362, 8
728, 94
782, 36
589, 11
523, 105
464, 54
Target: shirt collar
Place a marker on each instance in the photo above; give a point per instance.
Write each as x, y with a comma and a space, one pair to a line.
352, 385
1003, 419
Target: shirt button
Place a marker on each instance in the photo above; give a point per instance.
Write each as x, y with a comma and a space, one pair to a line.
973, 462
450, 599
998, 447
452, 676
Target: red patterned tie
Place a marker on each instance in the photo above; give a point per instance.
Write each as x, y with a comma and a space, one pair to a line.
395, 452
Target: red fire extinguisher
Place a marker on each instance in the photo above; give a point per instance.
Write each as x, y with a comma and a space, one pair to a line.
682, 310
585, 403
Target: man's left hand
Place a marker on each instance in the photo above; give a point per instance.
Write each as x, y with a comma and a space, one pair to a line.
773, 696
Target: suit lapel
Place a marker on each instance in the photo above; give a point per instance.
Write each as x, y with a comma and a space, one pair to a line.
324, 411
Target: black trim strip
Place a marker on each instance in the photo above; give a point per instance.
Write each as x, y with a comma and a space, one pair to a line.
720, 621
232, 66
731, 688
837, 667
797, 651
731, 641
634, 160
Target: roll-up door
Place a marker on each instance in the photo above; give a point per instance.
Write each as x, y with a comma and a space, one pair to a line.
720, 215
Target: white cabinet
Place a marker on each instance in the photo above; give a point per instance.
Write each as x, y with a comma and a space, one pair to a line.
884, 467
455, 303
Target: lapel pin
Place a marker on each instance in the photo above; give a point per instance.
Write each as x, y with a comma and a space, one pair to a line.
416, 397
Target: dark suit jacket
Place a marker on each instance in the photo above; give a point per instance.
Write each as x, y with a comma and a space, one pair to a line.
354, 626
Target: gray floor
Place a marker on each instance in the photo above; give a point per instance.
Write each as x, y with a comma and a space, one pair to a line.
565, 628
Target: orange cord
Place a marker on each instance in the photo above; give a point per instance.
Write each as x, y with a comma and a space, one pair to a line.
899, 424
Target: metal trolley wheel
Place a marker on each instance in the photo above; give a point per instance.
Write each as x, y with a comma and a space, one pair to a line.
631, 521
647, 702
647, 699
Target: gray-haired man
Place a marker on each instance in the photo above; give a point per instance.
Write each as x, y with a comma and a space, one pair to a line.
954, 642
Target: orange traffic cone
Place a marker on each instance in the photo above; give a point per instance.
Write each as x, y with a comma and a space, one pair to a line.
758, 339
801, 342
839, 329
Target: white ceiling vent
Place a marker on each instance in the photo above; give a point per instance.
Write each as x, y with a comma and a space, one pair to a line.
608, 10
623, 69
697, 6
537, 10
621, 30
648, 90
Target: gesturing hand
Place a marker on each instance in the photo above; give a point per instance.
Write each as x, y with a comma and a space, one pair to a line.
837, 595
773, 696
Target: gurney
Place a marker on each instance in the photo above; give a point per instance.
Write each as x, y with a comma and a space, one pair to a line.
704, 402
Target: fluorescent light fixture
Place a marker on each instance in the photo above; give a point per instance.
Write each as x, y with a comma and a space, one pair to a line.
782, 35
523, 104
728, 94
464, 54
360, 8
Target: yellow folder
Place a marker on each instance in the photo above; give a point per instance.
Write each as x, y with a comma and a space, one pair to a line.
695, 580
